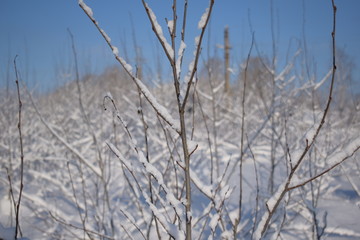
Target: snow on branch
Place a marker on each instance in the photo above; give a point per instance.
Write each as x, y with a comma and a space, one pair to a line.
343, 232
147, 166
86, 8
180, 57
319, 84
334, 160
159, 32
93, 168
287, 68
204, 18
198, 40
169, 227
160, 110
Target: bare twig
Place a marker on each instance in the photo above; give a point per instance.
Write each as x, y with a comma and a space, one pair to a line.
208, 138
21, 155
257, 189
238, 220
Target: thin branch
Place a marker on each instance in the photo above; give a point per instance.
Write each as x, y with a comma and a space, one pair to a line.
238, 220
257, 189
83, 219
17, 228
197, 54
184, 20
324, 172
11, 189
208, 137
283, 189
145, 130
82, 109
169, 51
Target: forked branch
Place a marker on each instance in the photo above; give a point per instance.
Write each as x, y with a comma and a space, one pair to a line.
274, 202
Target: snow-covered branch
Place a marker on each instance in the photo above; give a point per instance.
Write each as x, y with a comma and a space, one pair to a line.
161, 110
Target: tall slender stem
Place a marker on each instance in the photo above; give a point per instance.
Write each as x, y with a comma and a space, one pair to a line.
17, 228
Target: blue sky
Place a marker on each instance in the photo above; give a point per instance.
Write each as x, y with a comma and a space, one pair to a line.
37, 31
